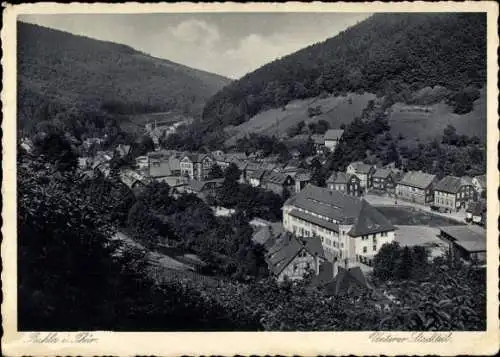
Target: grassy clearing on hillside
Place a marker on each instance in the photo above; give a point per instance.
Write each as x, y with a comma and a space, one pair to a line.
335, 110
414, 122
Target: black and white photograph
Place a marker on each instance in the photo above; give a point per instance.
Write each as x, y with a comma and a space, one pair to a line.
253, 171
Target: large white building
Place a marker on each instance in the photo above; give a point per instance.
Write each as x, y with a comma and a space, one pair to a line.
350, 229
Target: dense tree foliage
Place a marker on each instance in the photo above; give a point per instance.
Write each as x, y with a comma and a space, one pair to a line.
394, 262
249, 200
215, 172
390, 54
72, 275
65, 245
56, 149
186, 222
268, 145
111, 80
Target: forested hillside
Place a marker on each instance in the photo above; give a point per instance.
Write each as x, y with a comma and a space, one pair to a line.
62, 75
394, 55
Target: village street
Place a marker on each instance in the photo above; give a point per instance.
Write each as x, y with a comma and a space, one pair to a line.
377, 200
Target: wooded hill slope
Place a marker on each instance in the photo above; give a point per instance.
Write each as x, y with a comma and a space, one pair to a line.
394, 55
58, 70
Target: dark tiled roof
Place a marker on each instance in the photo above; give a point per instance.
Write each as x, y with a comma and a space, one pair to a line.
275, 177
331, 204
303, 175
196, 157
450, 184
337, 177
382, 173
347, 282
369, 221
417, 179
472, 239
340, 207
325, 274
333, 134
257, 174
361, 168
286, 249
318, 221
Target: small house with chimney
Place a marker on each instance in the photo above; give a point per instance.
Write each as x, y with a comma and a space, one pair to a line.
291, 258
363, 171
417, 186
452, 193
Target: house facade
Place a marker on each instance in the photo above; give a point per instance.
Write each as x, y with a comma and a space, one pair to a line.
416, 186
291, 258
332, 138
203, 189
452, 193
196, 166
161, 164
349, 228
347, 183
337, 181
278, 182
363, 171
319, 143
383, 180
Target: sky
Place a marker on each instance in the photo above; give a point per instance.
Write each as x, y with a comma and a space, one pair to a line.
229, 44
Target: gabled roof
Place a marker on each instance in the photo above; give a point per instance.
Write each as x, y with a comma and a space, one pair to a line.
313, 219
303, 175
257, 174
324, 202
471, 238
337, 177
334, 134
450, 184
195, 157
382, 173
361, 168
325, 274
287, 247
417, 179
337, 206
369, 221
275, 177
347, 281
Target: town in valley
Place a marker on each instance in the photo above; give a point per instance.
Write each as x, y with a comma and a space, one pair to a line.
341, 187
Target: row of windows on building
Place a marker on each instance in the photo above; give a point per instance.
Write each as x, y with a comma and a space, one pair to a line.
313, 227
374, 236
459, 195
410, 189
332, 242
365, 249
445, 202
